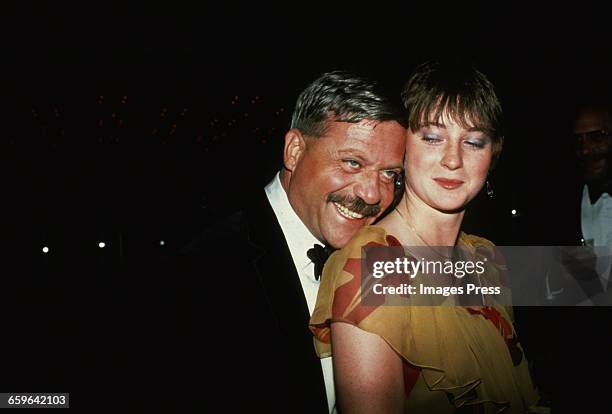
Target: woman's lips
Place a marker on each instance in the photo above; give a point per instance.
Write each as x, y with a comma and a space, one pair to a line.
448, 183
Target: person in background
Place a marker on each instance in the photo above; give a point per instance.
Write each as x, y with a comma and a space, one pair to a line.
593, 138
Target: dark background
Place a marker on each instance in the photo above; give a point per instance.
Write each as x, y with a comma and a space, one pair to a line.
132, 127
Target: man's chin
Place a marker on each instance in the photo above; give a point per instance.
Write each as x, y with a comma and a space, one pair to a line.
594, 170
338, 241
337, 229
593, 176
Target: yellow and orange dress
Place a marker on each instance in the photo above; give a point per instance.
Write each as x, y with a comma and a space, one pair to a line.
453, 356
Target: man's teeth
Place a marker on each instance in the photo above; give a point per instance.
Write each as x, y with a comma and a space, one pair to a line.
348, 213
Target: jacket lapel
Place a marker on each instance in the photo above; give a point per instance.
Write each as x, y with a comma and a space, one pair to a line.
281, 284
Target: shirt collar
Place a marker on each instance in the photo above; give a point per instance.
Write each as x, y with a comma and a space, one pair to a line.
298, 237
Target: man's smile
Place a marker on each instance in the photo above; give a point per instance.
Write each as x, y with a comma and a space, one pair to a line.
349, 214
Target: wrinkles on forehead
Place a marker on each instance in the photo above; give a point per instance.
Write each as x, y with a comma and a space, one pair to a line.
361, 130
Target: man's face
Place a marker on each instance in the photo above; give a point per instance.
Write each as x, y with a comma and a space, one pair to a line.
343, 180
592, 129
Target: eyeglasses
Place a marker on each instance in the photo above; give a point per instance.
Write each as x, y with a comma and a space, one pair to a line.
593, 136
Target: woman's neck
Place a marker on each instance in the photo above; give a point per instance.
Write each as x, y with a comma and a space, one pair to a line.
434, 227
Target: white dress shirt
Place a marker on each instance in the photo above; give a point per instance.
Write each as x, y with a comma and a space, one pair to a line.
299, 239
596, 224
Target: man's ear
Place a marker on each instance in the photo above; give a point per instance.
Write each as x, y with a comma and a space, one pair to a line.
295, 145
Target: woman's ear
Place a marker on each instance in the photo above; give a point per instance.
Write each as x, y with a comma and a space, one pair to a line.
295, 145
497, 148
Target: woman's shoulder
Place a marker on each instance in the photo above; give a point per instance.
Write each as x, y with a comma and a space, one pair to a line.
366, 235
472, 240
369, 235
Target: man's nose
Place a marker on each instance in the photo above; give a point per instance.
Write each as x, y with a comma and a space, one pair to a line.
368, 187
452, 157
583, 146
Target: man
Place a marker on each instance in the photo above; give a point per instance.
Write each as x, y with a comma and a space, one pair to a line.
575, 333
342, 162
593, 135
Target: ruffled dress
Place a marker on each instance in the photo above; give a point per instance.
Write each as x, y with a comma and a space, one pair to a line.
454, 357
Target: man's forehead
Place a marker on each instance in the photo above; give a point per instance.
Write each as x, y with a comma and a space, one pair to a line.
591, 119
362, 129
361, 140
364, 134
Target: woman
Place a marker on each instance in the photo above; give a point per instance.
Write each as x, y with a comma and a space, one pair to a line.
433, 359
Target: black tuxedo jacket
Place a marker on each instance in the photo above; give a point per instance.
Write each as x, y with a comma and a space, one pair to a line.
237, 331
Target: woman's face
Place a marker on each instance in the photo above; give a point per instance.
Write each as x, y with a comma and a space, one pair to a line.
446, 164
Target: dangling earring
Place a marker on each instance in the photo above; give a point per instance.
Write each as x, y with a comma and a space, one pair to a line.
490, 191
399, 180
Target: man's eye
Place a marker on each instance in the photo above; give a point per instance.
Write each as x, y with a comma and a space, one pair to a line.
390, 174
600, 136
352, 163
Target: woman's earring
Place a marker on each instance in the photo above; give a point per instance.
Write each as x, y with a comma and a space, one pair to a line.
399, 180
490, 191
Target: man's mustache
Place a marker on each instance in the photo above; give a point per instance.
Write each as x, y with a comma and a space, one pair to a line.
355, 204
594, 157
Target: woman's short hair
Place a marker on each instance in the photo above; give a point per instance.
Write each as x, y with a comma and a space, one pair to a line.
443, 89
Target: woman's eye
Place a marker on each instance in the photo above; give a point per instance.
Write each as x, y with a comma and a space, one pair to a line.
476, 143
352, 163
431, 139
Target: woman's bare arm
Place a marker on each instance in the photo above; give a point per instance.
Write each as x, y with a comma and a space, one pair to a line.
367, 372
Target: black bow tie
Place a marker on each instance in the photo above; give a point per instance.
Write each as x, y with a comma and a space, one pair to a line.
319, 254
